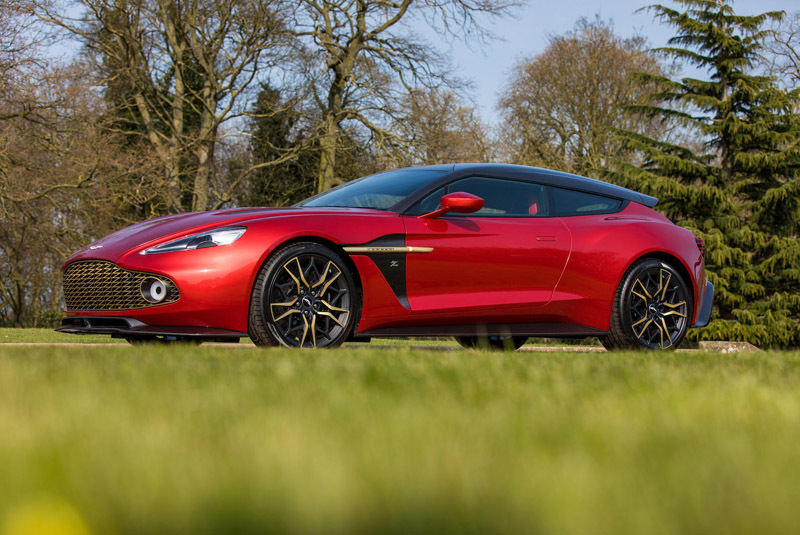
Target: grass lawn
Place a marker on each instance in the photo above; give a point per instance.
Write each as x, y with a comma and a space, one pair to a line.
203, 439
49, 336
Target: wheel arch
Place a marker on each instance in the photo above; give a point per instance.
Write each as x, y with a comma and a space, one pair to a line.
326, 243
676, 263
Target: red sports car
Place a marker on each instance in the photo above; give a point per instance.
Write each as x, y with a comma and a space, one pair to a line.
489, 254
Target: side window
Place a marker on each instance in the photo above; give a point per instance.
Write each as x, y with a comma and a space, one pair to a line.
429, 203
501, 198
567, 203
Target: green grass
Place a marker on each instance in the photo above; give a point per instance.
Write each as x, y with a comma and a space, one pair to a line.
49, 336
212, 440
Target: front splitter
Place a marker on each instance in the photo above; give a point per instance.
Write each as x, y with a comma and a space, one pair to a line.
121, 327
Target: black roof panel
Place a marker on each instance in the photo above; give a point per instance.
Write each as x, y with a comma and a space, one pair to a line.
550, 177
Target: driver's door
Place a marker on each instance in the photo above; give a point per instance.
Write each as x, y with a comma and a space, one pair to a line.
508, 254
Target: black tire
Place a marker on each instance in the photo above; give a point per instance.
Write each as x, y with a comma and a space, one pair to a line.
492, 343
652, 308
304, 296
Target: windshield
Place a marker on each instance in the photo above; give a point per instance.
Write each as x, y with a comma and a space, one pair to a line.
381, 191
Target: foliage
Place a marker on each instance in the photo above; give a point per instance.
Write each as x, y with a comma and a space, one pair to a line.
178, 73
560, 106
740, 190
285, 152
61, 176
441, 128
362, 59
781, 59
277, 131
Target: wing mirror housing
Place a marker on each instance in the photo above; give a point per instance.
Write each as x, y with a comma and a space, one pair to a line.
459, 202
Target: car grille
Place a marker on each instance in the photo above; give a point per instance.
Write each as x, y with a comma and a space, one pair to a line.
102, 285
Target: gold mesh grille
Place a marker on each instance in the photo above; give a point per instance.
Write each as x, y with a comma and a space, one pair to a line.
102, 285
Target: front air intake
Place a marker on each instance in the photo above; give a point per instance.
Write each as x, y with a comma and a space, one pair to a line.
103, 285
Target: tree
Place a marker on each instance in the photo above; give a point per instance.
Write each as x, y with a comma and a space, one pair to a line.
441, 128
278, 129
283, 152
165, 63
363, 56
62, 184
561, 105
781, 57
741, 190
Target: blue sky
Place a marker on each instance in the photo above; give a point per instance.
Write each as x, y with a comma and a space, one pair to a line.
526, 34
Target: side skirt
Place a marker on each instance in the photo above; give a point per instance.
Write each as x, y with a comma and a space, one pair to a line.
555, 330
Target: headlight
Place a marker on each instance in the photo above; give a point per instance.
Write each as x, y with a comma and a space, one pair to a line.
210, 238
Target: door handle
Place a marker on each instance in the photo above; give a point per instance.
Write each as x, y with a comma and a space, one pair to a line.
545, 238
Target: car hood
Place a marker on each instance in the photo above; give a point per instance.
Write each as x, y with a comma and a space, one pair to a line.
172, 227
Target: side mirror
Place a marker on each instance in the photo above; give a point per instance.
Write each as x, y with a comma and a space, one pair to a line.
459, 202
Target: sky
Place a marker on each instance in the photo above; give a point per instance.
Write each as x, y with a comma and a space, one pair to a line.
526, 33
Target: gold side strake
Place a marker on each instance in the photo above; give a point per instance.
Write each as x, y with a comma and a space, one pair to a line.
372, 250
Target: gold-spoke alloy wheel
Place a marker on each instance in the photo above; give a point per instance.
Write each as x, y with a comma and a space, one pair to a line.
309, 301
657, 308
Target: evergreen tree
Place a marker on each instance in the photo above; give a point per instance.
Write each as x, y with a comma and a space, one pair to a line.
740, 190
285, 152
275, 136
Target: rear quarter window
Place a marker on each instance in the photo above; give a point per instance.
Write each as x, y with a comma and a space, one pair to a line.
566, 202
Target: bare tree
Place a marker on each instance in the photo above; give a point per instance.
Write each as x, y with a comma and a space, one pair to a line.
20, 63
183, 69
560, 106
440, 127
363, 56
63, 183
781, 56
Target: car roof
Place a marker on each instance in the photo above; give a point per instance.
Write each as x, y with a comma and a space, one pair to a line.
544, 176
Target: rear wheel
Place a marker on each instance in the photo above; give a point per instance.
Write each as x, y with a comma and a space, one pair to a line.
492, 343
304, 296
652, 308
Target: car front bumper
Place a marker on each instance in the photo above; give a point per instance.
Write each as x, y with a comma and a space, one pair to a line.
122, 327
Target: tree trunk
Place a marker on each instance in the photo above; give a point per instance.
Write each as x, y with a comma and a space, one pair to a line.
204, 152
326, 177
200, 190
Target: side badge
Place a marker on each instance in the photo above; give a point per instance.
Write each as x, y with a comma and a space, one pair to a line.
394, 263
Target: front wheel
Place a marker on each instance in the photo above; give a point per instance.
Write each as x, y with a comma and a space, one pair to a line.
492, 343
652, 308
304, 296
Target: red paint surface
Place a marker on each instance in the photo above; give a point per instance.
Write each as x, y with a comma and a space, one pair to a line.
482, 270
